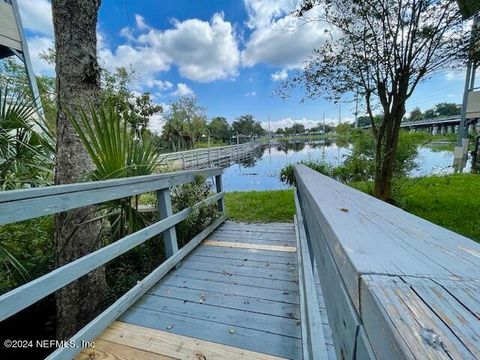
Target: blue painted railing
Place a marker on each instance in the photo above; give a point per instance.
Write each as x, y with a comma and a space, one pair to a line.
395, 286
21, 205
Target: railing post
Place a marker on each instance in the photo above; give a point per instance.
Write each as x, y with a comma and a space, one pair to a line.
219, 186
165, 209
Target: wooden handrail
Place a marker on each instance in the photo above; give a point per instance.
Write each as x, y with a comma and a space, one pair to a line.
27, 204
18, 205
396, 286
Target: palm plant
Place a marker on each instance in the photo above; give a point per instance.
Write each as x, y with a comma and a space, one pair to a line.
116, 153
26, 159
26, 145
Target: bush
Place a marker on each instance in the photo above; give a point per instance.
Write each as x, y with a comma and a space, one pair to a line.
26, 251
187, 195
360, 164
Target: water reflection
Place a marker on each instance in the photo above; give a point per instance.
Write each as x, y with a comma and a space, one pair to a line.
261, 170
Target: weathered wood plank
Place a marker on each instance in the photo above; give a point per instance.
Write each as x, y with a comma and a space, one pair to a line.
272, 226
31, 203
285, 248
314, 346
227, 316
175, 346
107, 350
398, 243
230, 278
249, 265
251, 254
262, 306
414, 329
235, 234
250, 239
249, 271
95, 327
250, 339
243, 290
354, 236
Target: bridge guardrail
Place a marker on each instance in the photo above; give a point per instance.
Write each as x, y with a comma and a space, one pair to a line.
21, 205
208, 156
395, 286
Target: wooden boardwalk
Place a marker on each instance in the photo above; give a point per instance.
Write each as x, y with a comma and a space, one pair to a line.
236, 296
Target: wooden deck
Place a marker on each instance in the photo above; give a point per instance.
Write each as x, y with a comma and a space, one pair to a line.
236, 296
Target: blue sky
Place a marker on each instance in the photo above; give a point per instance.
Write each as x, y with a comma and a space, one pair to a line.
231, 54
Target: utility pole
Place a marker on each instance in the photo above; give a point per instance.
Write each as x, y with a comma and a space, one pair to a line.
323, 123
356, 110
469, 85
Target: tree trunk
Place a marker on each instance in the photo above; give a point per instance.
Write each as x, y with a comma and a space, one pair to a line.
386, 153
78, 79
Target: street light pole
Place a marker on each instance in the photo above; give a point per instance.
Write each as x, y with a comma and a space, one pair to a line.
209, 135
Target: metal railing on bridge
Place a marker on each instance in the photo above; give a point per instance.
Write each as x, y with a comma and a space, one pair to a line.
21, 205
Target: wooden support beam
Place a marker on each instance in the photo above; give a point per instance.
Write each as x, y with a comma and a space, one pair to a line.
219, 187
164, 202
250, 246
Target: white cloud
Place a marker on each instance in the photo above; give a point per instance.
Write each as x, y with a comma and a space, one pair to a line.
251, 93
156, 123
36, 46
37, 16
37, 19
308, 123
182, 90
203, 51
279, 75
140, 21
262, 12
284, 42
159, 84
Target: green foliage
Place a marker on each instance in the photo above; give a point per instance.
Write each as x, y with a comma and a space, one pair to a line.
246, 125
105, 133
287, 174
187, 195
26, 145
439, 110
450, 201
220, 129
116, 87
14, 77
26, 251
184, 124
260, 206
342, 129
360, 164
296, 128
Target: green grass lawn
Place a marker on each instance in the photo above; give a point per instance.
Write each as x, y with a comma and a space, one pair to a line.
260, 206
450, 201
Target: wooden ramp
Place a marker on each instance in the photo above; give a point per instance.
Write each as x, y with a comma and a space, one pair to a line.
236, 296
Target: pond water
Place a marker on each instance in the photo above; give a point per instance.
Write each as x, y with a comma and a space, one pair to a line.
262, 170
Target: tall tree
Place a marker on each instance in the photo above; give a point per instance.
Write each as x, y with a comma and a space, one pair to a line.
247, 125
447, 109
382, 49
416, 114
78, 83
220, 129
185, 123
